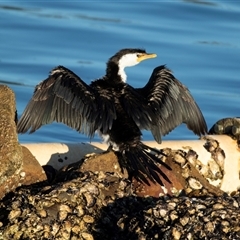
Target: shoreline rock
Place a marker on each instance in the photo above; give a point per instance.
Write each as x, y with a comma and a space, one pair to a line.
103, 206
15, 161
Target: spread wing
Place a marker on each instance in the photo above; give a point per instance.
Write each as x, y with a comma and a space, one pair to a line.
64, 97
163, 104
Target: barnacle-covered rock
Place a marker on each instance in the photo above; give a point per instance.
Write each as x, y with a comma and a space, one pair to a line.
229, 126
48, 212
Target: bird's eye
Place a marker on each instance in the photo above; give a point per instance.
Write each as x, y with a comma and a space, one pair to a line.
138, 55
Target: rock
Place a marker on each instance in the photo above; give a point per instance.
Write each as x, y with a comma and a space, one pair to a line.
18, 166
106, 161
10, 151
31, 171
104, 206
228, 126
183, 177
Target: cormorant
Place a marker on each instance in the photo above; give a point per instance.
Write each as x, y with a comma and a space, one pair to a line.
116, 110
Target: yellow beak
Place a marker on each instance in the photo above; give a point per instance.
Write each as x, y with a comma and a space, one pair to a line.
145, 56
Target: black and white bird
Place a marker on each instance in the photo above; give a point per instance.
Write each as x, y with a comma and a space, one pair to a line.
116, 110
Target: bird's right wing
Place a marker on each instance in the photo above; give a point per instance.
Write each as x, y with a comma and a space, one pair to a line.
64, 97
163, 104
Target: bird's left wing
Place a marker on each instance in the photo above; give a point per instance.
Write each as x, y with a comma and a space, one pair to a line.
64, 97
163, 104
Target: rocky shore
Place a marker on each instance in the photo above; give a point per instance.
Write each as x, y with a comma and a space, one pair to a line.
93, 199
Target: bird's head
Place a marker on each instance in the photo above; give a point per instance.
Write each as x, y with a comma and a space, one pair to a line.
126, 58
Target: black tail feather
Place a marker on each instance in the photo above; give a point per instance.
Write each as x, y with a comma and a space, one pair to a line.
140, 161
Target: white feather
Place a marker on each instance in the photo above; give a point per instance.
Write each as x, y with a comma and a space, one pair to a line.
127, 60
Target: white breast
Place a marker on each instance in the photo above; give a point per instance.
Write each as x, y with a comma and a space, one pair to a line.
106, 139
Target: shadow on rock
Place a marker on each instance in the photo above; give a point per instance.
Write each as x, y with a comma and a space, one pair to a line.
126, 218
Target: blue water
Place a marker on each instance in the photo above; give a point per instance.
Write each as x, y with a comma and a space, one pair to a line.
198, 40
